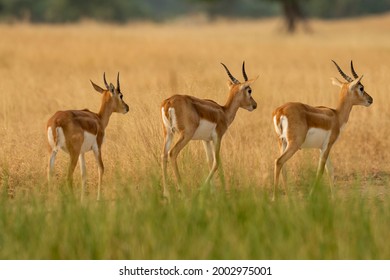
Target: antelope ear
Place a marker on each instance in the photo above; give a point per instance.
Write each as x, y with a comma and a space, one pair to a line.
251, 81
248, 83
336, 82
355, 82
230, 84
111, 88
96, 87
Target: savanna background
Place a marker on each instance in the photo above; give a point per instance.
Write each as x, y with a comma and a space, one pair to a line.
48, 53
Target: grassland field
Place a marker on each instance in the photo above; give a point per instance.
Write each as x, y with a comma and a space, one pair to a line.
47, 68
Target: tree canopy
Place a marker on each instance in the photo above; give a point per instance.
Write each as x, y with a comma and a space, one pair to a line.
59, 11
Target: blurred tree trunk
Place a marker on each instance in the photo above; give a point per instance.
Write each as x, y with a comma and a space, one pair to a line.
293, 13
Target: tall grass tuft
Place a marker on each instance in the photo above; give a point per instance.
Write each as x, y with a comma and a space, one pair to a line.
240, 224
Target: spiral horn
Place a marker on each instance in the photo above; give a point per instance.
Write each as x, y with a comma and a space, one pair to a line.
353, 71
117, 83
104, 79
243, 71
345, 76
234, 80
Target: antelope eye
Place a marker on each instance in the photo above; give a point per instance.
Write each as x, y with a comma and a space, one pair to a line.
249, 91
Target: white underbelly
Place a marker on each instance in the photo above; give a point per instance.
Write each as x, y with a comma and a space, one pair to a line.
316, 138
89, 142
205, 131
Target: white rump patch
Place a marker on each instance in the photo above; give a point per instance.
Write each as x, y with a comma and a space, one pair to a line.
316, 138
165, 120
281, 129
171, 123
60, 144
205, 131
172, 115
50, 137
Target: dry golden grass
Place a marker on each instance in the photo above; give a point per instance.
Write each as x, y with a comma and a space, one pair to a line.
47, 68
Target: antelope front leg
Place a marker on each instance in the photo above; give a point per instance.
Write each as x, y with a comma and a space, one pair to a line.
99, 161
209, 153
83, 171
321, 166
211, 158
216, 163
330, 171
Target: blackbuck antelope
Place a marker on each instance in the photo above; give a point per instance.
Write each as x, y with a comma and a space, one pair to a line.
79, 131
302, 126
202, 119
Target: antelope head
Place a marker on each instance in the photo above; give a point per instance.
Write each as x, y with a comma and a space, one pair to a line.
241, 92
112, 96
354, 89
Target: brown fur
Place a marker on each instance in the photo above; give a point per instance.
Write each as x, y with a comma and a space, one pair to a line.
75, 122
189, 111
301, 117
